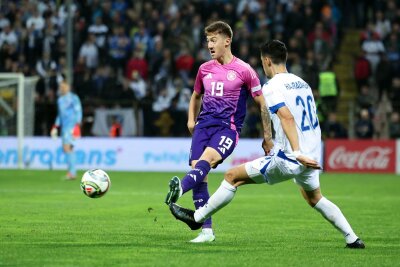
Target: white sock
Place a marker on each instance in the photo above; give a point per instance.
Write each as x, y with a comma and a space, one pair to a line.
217, 201
333, 214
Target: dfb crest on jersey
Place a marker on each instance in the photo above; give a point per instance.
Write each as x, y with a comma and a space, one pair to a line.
231, 75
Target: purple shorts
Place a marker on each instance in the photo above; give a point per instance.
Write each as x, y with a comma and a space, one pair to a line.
220, 138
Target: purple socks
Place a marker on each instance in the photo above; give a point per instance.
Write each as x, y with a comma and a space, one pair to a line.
196, 176
200, 198
193, 180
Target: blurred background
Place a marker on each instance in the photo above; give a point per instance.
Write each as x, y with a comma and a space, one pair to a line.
133, 63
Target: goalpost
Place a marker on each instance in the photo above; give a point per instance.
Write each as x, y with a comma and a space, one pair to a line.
17, 113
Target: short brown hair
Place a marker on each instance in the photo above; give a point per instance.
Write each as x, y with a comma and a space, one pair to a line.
219, 27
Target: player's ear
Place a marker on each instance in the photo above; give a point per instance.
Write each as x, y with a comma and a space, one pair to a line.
265, 60
268, 61
228, 41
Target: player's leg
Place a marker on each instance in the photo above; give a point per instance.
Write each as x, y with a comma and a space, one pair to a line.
257, 171
328, 209
266, 169
199, 143
200, 196
200, 169
221, 145
68, 147
209, 148
71, 160
194, 178
233, 178
224, 194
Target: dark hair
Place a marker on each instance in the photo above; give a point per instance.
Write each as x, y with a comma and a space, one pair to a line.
219, 27
61, 77
275, 50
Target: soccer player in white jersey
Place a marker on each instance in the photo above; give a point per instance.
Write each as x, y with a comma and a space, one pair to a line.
217, 110
296, 154
68, 119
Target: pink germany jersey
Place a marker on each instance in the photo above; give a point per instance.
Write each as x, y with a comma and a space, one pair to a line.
225, 89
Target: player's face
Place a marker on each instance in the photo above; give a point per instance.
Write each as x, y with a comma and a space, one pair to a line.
64, 88
217, 44
266, 63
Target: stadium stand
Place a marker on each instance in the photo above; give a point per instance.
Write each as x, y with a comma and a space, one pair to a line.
144, 55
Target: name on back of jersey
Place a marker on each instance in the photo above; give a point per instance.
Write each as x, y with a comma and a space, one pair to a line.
296, 85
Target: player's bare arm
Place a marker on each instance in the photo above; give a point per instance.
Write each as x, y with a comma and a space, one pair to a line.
267, 143
289, 127
194, 109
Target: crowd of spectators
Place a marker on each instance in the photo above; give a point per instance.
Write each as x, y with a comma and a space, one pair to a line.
377, 71
145, 54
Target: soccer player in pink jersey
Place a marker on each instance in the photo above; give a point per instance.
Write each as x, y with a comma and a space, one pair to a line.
216, 113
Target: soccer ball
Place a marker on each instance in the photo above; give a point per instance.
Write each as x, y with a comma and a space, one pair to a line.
95, 183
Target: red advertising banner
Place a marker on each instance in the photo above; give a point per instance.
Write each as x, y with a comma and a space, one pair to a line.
360, 156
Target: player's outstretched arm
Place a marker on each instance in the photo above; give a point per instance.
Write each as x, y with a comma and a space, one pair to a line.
194, 109
267, 143
310, 163
289, 127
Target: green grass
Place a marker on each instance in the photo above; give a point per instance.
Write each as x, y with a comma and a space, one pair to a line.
45, 221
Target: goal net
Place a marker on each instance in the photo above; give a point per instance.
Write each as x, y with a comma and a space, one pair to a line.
17, 114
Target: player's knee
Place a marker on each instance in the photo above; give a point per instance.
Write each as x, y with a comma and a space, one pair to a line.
312, 201
213, 164
230, 177
312, 197
67, 148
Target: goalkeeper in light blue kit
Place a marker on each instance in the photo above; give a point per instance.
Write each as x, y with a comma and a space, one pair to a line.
68, 119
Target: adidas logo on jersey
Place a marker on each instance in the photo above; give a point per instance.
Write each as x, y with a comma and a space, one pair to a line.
222, 149
208, 76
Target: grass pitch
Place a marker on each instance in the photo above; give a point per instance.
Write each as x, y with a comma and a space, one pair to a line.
45, 221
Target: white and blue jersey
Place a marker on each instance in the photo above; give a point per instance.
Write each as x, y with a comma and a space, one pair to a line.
69, 114
288, 90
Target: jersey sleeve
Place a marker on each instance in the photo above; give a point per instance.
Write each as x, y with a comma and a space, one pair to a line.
78, 109
198, 84
253, 82
57, 121
273, 97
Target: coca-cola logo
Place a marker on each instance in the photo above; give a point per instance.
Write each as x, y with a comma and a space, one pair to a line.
374, 157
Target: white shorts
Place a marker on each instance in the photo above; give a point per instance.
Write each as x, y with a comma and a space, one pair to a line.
279, 168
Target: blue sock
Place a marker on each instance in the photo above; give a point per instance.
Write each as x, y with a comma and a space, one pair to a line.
71, 160
196, 176
200, 198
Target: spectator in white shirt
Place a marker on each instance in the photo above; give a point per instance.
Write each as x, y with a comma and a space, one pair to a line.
8, 36
36, 20
89, 52
162, 102
63, 15
100, 30
372, 48
3, 21
46, 67
137, 85
382, 25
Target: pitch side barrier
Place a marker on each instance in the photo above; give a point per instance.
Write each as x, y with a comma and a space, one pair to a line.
171, 154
